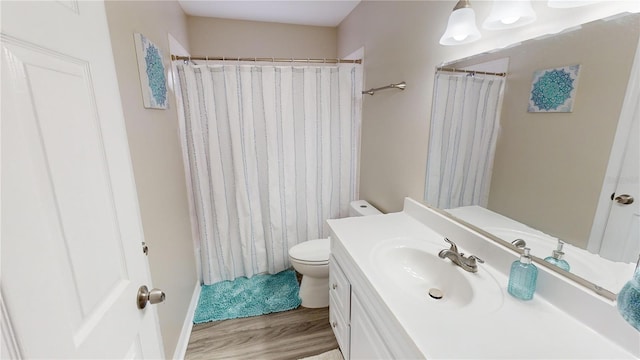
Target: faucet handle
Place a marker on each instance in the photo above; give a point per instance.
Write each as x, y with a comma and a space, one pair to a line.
453, 247
519, 243
474, 259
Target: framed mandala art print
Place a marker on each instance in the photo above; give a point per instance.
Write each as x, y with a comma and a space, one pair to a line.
152, 73
554, 90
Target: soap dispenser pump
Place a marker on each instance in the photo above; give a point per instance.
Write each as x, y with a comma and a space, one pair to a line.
523, 277
556, 257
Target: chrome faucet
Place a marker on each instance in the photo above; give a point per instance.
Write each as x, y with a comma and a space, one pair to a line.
519, 243
467, 263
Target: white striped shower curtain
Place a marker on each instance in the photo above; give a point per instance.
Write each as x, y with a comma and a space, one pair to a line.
465, 122
271, 153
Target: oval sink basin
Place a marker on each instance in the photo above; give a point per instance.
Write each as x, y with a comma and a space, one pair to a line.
414, 268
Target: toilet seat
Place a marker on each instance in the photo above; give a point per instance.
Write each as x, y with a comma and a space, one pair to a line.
312, 252
311, 263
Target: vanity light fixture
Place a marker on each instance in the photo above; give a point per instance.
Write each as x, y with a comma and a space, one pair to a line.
508, 14
565, 4
461, 28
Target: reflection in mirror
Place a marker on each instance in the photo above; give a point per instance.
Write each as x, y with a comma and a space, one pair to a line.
549, 176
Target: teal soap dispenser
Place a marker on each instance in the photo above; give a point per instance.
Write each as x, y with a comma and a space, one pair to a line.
523, 277
556, 257
629, 299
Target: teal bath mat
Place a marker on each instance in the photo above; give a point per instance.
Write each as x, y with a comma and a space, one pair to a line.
242, 297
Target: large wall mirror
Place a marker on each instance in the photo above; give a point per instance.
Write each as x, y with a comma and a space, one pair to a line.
550, 167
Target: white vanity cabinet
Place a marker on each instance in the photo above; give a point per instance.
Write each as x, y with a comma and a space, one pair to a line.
339, 306
354, 329
366, 342
363, 326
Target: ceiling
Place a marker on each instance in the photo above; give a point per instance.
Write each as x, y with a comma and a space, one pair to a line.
301, 12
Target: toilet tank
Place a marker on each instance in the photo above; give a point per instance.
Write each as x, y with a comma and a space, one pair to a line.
362, 208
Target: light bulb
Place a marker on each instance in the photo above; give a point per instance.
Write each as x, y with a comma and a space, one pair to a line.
460, 37
510, 20
508, 14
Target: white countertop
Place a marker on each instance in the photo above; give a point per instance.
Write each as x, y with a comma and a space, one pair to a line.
513, 329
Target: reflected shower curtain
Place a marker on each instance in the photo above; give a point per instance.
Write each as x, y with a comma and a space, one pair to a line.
465, 122
271, 153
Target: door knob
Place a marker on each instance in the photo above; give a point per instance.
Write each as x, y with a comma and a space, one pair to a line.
145, 296
624, 199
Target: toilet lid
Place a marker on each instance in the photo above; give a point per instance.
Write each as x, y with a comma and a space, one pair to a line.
311, 251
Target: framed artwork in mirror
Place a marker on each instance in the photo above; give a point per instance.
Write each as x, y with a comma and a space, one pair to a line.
554, 90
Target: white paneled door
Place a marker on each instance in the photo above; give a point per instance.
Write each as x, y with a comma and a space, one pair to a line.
621, 241
71, 253
616, 231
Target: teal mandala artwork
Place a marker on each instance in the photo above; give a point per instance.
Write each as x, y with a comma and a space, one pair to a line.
155, 73
553, 90
153, 79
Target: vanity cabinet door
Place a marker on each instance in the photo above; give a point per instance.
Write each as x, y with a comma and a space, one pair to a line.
341, 329
339, 287
339, 306
366, 343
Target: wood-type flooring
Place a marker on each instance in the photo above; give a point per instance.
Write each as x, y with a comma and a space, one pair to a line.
285, 335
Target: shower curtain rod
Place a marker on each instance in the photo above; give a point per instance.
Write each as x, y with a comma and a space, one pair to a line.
470, 71
267, 59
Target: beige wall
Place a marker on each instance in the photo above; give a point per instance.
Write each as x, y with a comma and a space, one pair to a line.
157, 159
400, 40
239, 38
549, 167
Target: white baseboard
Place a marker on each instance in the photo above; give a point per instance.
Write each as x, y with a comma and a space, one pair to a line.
181, 347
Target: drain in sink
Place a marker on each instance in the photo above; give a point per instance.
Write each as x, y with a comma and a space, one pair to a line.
436, 293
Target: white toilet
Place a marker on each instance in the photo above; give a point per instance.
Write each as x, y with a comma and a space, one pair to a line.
311, 259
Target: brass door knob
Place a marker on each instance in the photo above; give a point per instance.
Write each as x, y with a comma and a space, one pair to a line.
624, 199
155, 296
